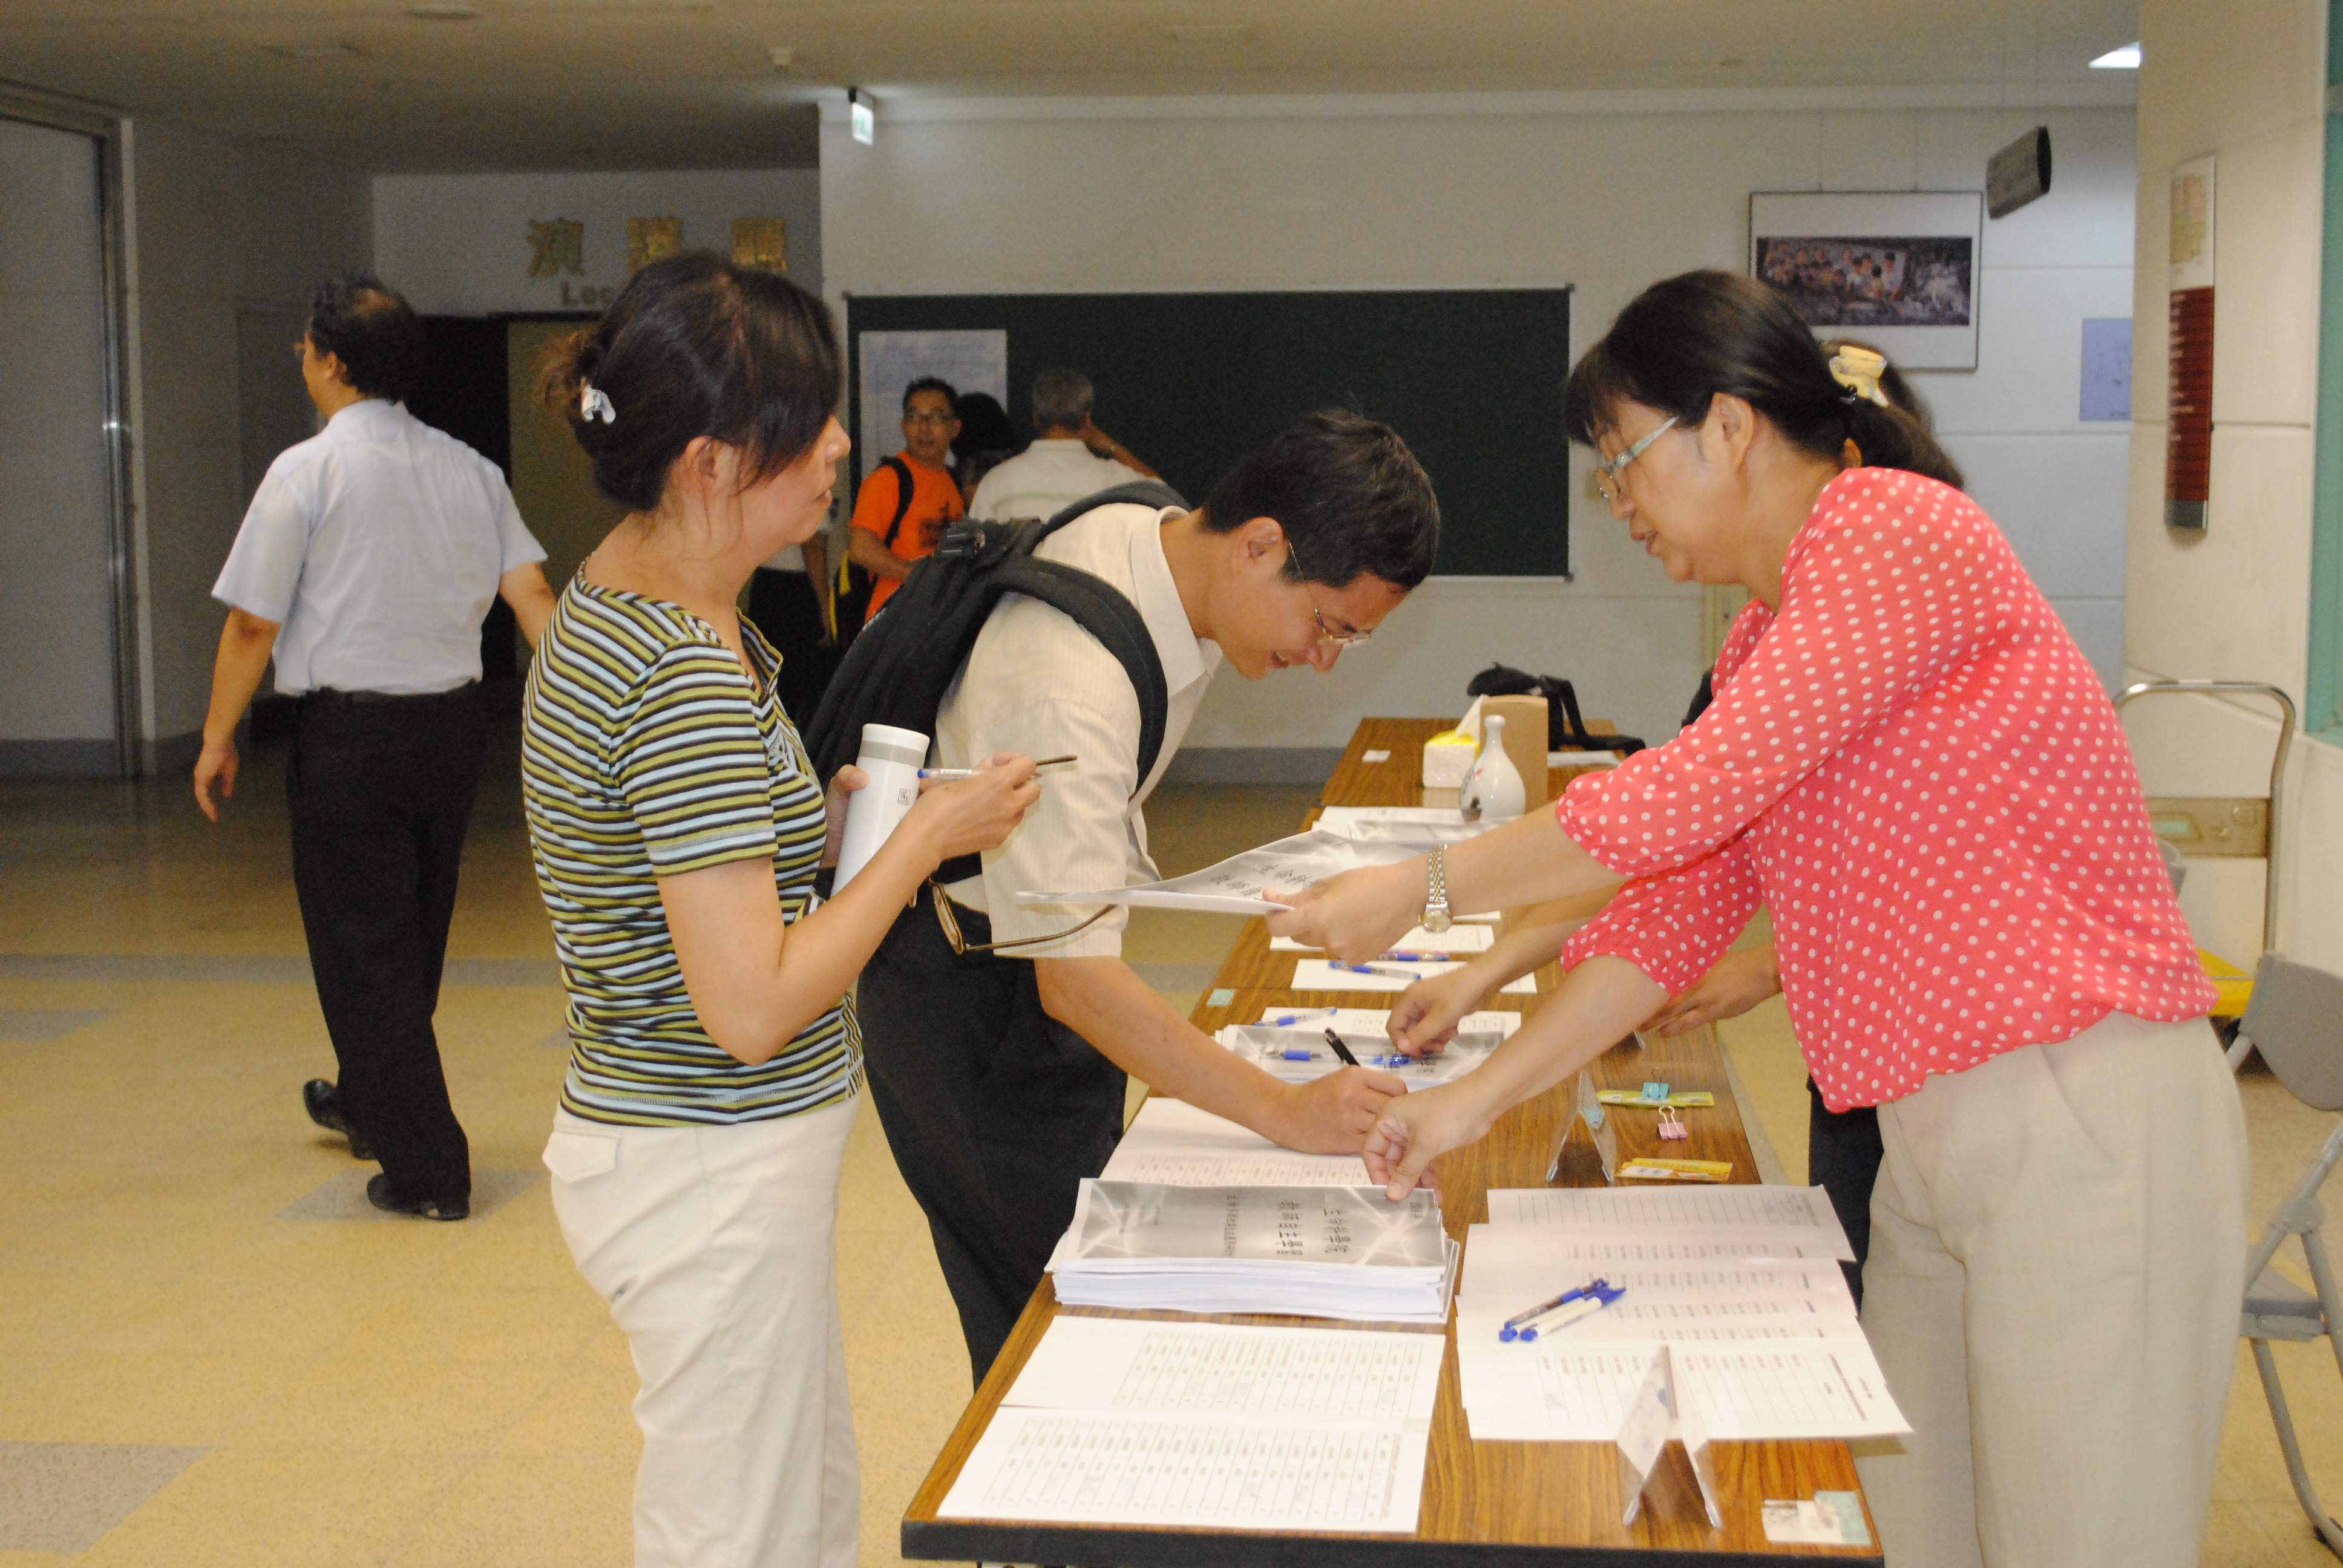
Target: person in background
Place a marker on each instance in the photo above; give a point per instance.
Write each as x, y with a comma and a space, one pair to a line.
790, 600
1912, 765
677, 827
909, 498
1072, 458
365, 564
986, 440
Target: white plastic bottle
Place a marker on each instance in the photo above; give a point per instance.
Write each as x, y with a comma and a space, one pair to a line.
892, 758
1495, 783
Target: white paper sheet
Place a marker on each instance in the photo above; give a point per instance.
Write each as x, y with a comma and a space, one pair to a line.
1317, 974
1800, 1218
1456, 939
1173, 1142
1553, 1390
1227, 1371
1075, 1467
1421, 826
1235, 886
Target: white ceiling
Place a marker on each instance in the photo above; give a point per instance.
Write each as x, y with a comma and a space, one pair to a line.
670, 83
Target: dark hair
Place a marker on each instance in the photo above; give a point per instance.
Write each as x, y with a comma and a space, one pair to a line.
694, 346
932, 383
1685, 340
984, 427
1350, 496
372, 331
1063, 399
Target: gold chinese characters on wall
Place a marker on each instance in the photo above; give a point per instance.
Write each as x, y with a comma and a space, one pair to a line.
651, 240
759, 242
557, 246
557, 249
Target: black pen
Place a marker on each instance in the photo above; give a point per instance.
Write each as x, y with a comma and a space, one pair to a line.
1342, 1052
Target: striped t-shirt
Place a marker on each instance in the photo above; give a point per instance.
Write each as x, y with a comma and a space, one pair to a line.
646, 751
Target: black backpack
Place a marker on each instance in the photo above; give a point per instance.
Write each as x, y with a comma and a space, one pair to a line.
855, 584
899, 670
1565, 729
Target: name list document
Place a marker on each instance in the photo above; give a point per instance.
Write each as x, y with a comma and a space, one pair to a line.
1237, 884
1114, 1421
1172, 1142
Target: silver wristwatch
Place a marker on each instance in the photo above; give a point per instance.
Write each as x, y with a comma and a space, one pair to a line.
1436, 918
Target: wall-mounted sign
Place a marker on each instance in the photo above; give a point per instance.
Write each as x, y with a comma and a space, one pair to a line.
651, 240
1897, 269
557, 246
2188, 431
760, 242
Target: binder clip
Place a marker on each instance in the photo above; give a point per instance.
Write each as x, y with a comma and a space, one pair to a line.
1658, 1093
1671, 1125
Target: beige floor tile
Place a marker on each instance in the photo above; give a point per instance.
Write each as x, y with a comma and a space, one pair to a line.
228, 1317
887, 1493
525, 1511
587, 1411
512, 1328
94, 1396
235, 1508
418, 1406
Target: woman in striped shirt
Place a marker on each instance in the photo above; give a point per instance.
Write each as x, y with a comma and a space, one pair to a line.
677, 827
1912, 765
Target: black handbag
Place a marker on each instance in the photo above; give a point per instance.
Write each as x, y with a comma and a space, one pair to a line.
1565, 729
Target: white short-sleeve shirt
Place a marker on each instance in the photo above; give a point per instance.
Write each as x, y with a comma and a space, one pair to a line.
1044, 480
376, 546
1036, 682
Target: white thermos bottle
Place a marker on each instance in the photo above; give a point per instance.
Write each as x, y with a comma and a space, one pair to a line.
892, 758
1494, 784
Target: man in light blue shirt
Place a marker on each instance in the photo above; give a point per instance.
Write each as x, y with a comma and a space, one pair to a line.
369, 555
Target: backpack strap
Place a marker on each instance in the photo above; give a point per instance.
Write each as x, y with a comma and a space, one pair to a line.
904, 493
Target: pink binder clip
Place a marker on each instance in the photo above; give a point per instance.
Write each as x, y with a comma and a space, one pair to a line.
1671, 1125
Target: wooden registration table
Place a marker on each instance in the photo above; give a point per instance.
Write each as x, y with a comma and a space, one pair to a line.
1485, 1503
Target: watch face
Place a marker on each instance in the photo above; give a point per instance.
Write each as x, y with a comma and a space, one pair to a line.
1436, 921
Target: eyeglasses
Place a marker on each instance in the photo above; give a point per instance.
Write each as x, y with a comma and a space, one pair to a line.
927, 416
1606, 469
1350, 638
961, 946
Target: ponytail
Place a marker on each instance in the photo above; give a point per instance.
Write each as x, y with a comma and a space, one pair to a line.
1686, 339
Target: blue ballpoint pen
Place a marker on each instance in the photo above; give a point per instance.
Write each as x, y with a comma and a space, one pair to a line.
1594, 1300
1512, 1329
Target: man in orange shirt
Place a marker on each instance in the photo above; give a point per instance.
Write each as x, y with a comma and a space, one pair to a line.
910, 498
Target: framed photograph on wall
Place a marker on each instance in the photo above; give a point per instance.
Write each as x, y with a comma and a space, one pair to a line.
1895, 269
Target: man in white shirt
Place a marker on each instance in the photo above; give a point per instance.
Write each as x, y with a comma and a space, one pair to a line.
999, 1075
1072, 458
365, 564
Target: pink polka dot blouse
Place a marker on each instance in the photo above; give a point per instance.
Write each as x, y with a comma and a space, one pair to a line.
1914, 767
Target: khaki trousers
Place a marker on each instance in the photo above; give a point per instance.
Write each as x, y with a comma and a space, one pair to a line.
2057, 1263
717, 1250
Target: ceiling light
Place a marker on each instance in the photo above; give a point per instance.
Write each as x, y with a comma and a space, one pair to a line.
2124, 59
1211, 32
315, 51
443, 13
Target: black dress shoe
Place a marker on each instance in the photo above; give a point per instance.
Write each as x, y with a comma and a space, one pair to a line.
379, 1194
323, 1101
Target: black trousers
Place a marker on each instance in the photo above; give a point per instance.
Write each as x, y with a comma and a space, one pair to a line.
784, 608
381, 789
1842, 1155
994, 1110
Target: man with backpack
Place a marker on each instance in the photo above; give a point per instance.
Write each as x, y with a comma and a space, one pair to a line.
908, 501
998, 1036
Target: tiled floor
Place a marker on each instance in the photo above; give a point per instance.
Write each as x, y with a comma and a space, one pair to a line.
201, 1363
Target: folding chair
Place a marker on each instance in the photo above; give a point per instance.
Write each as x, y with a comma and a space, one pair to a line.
2229, 827
2295, 1017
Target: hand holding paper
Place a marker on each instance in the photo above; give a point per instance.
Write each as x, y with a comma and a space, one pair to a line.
1354, 915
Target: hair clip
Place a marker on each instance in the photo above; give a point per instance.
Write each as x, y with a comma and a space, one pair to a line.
593, 403
1858, 371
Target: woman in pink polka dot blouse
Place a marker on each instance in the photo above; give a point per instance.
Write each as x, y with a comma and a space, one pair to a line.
1912, 766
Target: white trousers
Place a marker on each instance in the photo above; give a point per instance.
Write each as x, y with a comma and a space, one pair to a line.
717, 1250
2056, 1266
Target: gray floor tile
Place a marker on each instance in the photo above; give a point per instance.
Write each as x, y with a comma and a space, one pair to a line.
38, 1024
64, 1496
344, 1197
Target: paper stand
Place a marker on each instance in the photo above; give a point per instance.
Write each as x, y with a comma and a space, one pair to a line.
1589, 1109
1658, 1407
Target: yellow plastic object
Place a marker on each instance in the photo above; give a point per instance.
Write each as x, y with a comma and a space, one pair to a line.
2235, 986
1654, 1169
1682, 1099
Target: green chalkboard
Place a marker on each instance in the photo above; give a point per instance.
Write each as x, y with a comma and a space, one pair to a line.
1471, 378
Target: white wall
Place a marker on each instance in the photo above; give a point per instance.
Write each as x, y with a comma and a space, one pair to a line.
1606, 193
57, 711
458, 244
2245, 82
217, 231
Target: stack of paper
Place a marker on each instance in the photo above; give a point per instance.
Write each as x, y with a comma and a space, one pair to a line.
1113, 1422
1297, 1053
1172, 1141
1314, 1252
1421, 826
1733, 1293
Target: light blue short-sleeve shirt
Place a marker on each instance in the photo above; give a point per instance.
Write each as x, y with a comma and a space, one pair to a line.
376, 546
